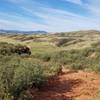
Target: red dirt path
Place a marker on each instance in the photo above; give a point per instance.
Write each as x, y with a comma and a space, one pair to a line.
70, 85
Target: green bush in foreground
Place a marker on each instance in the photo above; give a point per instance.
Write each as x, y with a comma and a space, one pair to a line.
18, 75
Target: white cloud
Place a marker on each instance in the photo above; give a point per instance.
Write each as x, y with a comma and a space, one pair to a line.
60, 20
19, 23
94, 7
53, 19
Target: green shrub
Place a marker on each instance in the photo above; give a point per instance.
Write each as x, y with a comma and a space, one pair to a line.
43, 56
96, 68
8, 49
17, 75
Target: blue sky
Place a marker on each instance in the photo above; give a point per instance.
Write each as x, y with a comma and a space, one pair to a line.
50, 15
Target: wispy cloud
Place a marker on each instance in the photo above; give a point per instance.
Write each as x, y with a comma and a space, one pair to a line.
94, 7
36, 16
61, 20
19, 22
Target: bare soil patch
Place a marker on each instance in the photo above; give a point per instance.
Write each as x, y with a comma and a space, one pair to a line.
70, 86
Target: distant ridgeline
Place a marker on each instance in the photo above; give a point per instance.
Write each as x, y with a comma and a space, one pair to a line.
21, 32
9, 49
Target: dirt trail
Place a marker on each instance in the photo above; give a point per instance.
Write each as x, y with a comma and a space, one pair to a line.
71, 85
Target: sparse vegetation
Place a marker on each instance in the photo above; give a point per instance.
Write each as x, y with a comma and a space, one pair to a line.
19, 73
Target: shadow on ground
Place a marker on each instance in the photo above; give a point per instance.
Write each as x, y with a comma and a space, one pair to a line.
58, 88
